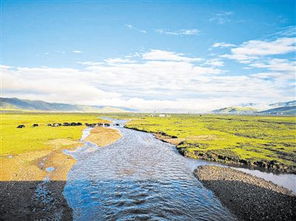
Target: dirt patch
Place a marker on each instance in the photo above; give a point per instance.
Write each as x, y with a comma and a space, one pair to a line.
103, 136
249, 197
169, 139
203, 137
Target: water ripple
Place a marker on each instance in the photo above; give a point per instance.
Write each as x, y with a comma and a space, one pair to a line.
138, 178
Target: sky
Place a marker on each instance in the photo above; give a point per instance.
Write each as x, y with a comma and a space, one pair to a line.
152, 56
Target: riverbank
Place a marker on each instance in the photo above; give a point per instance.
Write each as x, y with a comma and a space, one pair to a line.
266, 143
224, 157
24, 193
21, 175
249, 197
32, 166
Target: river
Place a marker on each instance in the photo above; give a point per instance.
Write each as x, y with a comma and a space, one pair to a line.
138, 178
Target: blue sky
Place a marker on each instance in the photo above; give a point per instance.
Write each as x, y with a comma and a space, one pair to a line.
150, 55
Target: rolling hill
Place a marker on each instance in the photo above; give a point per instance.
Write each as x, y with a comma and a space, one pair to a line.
284, 104
16, 104
288, 110
235, 110
280, 108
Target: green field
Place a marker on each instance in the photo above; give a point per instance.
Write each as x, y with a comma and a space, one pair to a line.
19, 140
254, 141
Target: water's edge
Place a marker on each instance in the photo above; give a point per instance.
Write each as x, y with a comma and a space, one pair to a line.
286, 180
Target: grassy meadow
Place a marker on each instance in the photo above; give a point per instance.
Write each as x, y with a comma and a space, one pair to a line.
26, 152
19, 140
258, 141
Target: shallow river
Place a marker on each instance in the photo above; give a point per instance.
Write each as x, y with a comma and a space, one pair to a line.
141, 178
138, 178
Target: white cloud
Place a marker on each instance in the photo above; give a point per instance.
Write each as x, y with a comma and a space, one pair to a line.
129, 26
215, 62
262, 55
279, 76
167, 56
117, 60
221, 17
278, 65
289, 31
179, 32
155, 81
90, 63
132, 27
52, 84
76, 52
222, 45
255, 49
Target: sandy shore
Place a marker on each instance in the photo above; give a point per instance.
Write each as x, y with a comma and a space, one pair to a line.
103, 136
24, 194
248, 197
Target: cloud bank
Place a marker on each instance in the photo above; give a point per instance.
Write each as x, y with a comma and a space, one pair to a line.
158, 80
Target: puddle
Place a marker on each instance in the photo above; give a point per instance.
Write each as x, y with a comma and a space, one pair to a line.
50, 169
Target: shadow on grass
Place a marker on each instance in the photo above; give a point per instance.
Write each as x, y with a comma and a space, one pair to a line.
251, 202
33, 200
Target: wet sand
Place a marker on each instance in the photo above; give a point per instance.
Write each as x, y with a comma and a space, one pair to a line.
248, 197
103, 136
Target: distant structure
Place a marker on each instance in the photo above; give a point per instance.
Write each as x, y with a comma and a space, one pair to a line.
164, 115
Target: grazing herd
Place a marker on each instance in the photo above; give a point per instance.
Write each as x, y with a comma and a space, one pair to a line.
66, 124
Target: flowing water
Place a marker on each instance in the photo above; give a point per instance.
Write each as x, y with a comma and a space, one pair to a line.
138, 178
141, 178
286, 180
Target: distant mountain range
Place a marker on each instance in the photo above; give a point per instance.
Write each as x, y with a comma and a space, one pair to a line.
281, 108
16, 104
284, 104
289, 110
235, 110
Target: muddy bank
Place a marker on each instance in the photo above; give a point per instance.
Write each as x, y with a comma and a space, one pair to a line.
249, 197
227, 158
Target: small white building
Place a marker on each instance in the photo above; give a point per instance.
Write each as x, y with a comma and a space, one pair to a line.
164, 115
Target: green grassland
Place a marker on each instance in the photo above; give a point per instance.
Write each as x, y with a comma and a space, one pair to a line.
254, 141
19, 140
